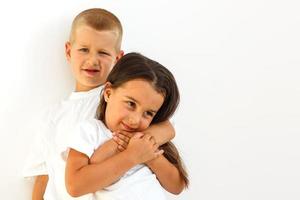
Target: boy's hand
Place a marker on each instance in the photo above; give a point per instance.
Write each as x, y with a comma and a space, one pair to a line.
122, 138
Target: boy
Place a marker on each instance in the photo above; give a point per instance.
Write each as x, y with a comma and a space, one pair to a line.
93, 49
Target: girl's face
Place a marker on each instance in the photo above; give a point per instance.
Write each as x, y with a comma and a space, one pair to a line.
132, 106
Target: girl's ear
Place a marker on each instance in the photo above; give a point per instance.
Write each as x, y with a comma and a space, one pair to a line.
107, 91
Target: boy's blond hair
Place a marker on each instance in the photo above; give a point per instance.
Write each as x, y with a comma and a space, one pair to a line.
100, 20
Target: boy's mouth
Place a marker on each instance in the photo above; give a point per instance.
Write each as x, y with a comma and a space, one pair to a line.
91, 72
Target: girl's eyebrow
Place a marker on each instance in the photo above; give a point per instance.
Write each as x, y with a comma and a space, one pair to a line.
133, 99
136, 101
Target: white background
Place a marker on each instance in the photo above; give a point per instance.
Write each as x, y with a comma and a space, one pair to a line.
237, 65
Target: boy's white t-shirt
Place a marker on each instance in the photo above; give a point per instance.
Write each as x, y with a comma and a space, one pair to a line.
53, 131
139, 183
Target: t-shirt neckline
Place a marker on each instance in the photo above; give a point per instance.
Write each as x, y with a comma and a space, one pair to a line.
80, 95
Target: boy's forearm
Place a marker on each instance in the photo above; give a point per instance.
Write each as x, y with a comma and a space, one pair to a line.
39, 187
162, 132
105, 151
167, 174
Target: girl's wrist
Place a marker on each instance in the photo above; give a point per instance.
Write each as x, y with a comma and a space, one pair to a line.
131, 156
113, 146
151, 163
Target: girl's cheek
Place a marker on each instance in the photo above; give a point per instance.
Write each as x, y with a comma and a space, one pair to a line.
145, 124
123, 112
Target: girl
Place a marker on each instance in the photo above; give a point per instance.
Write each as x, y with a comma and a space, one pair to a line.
138, 92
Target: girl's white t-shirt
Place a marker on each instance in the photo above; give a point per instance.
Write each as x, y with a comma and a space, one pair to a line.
139, 183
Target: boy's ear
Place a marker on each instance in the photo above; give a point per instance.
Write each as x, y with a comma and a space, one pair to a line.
120, 55
107, 91
68, 50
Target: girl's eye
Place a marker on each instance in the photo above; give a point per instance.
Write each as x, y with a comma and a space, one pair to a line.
131, 104
150, 114
84, 50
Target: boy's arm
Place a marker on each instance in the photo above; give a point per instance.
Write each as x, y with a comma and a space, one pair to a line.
39, 187
167, 174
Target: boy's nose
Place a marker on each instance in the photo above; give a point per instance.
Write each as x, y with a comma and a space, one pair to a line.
93, 61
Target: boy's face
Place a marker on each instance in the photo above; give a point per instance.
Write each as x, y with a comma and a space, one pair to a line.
92, 55
132, 106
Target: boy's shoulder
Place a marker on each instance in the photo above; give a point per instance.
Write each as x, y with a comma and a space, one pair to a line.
78, 105
48, 113
50, 110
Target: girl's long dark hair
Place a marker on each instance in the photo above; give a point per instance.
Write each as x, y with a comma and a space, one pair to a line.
136, 66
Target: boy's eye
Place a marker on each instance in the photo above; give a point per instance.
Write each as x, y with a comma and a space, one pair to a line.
103, 53
84, 50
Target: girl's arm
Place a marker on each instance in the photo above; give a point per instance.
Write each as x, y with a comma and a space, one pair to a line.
106, 150
167, 174
83, 177
162, 133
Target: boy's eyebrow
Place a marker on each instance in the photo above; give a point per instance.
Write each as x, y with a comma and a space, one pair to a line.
133, 99
87, 46
83, 45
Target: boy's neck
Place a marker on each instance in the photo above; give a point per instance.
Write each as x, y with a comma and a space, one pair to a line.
84, 89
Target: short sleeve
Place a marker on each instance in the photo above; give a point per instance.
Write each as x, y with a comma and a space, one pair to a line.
86, 138
35, 163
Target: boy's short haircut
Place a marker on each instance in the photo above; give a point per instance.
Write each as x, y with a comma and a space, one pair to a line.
100, 20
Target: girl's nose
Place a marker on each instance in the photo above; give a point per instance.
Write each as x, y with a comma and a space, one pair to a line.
134, 120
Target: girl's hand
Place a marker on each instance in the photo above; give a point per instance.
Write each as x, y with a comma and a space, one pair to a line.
143, 148
122, 138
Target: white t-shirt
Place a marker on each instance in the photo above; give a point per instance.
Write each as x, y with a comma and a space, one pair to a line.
139, 183
53, 132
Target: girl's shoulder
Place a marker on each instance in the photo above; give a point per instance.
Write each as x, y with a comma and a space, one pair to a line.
94, 128
92, 123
